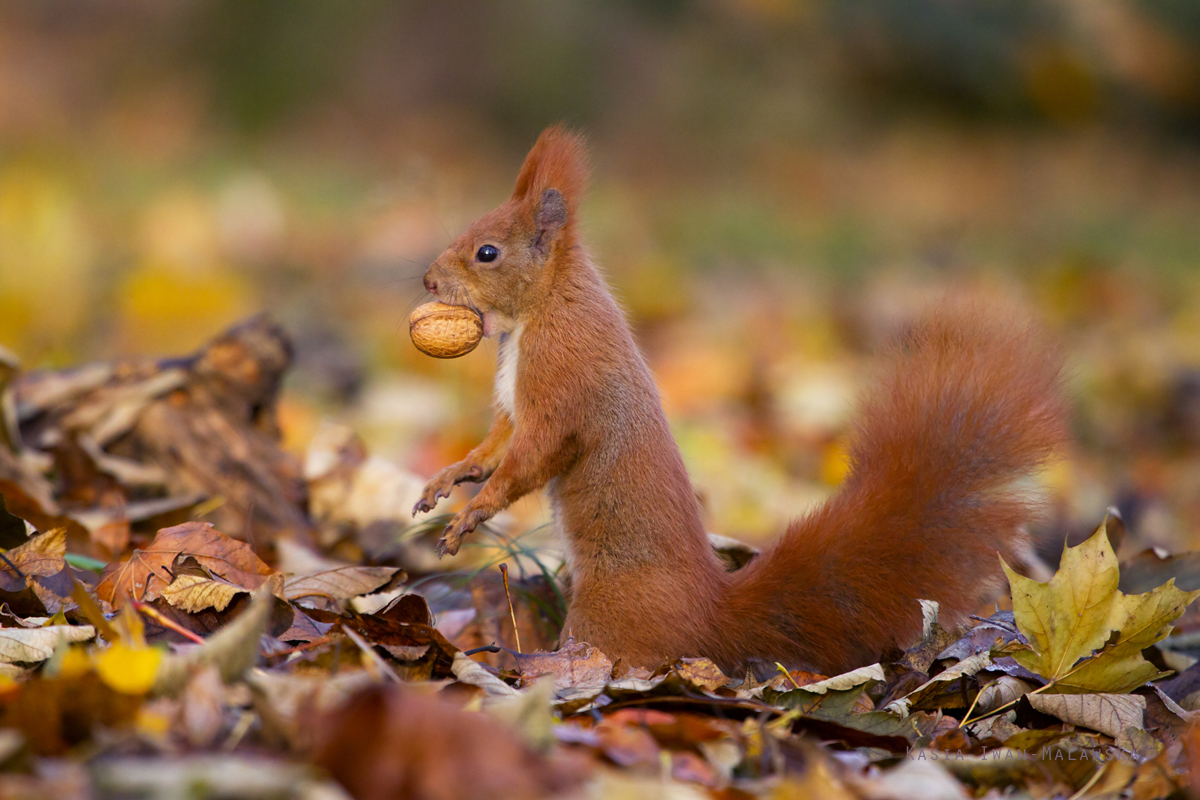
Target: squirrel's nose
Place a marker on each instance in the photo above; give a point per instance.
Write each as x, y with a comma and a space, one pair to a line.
430, 285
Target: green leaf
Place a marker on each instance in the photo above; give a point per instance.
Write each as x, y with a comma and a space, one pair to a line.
85, 562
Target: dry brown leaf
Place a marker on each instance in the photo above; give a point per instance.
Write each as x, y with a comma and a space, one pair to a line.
42, 556
473, 673
18, 645
575, 665
1106, 713
342, 583
701, 672
193, 593
141, 576
146, 573
232, 650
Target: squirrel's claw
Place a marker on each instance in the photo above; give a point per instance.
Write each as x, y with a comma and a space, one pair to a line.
443, 482
427, 502
465, 522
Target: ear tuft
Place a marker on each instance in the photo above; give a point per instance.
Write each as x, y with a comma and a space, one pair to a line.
558, 160
550, 217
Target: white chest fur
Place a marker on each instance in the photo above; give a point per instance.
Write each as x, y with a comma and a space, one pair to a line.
506, 372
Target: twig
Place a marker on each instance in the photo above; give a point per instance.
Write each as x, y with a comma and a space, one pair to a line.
487, 648
971, 708
1091, 782
1038, 690
511, 612
13, 566
170, 624
303, 646
239, 730
376, 659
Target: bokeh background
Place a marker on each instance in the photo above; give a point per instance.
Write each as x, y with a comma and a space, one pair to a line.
778, 185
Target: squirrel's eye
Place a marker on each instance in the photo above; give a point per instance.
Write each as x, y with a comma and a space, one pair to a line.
487, 253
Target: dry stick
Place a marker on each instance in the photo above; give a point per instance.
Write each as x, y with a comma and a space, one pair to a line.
239, 730
154, 614
13, 566
1038, 690
971, 708
1091, 782
511, 612
302, 647
376, 659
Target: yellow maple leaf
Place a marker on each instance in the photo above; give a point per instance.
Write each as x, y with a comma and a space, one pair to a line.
1085, 634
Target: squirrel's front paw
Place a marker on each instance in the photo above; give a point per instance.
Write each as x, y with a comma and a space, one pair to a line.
439, 485
463, 523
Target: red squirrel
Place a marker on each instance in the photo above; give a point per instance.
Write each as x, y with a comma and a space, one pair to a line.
968, 403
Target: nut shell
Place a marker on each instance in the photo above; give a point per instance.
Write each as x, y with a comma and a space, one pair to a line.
445, 331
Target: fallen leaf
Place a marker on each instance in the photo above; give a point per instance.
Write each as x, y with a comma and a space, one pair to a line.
146, 573
1110, 714
194, 593
304, 629
203, 712
232, 649
1072, 616
474, 674
575, 665
342, 583
141, 576
934, 691
128, 669
22, 645
1067, 618
41, 556
1002, 691
843, 682
701, 673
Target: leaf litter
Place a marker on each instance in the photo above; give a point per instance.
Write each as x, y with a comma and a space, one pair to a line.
257, 628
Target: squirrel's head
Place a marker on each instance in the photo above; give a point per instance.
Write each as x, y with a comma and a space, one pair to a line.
497, 265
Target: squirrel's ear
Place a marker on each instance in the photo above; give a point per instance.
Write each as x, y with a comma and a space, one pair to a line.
557, 161
549, 219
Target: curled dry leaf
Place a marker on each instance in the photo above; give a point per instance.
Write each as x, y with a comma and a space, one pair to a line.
943, 683
838, 683
42, 565
576, 665
701, 673
40, 557
1001, 692
194, 593
474, 674
146, 573
27, 645
341, 583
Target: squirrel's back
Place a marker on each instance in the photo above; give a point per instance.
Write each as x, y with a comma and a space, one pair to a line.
969, 403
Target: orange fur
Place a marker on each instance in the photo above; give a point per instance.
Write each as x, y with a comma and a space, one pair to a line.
969, 404
558, 160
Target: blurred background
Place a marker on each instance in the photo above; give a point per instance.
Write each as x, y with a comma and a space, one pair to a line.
778, 186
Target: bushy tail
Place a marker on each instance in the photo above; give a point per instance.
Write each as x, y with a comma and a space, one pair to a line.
970, 402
